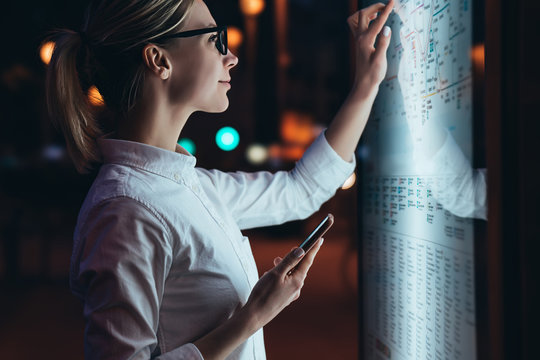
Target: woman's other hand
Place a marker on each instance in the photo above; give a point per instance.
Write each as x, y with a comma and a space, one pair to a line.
276, 289
280, 286
371, 42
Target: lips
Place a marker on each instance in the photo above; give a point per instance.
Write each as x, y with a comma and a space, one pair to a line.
225, 83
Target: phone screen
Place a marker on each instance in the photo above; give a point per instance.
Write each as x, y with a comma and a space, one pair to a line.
317, 233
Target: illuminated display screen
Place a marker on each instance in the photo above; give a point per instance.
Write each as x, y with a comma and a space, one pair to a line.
417, 213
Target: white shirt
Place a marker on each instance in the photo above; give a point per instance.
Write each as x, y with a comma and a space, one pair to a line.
458, 187
159, 260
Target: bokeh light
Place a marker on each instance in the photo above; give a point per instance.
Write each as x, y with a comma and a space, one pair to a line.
95, 97
256, 154
297, 128
478, 54
252, 7
234, 37
45, 52
227, 138
188, 144
349, 182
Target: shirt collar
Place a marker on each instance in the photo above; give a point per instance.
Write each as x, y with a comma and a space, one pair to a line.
163, 162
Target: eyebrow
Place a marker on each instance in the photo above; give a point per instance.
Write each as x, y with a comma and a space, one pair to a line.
208, 26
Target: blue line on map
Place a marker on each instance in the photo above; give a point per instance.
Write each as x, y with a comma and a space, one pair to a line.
456, 34
445, 6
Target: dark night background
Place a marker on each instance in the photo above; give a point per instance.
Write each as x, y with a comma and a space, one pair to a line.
40, 192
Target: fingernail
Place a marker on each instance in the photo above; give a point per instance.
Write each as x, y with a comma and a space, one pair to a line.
386, 31
298, 252
322, 240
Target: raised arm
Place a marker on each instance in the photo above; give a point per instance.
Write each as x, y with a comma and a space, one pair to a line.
367, 27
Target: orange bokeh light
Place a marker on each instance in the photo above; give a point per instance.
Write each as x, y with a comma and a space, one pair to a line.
234, 37
478, 56
349, 182
286, 152
293, 152
252, 7
95, 97
46, 51
297, 128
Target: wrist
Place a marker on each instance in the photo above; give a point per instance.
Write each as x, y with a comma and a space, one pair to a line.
362, 91
220, 342
249, 319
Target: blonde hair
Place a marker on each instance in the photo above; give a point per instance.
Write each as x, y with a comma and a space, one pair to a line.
105, 53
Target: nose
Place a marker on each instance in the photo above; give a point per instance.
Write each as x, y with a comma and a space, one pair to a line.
230, 59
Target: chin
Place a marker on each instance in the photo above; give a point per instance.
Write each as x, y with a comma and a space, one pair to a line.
217, 107
224, 107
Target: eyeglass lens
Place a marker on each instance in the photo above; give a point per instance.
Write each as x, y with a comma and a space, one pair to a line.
221, 43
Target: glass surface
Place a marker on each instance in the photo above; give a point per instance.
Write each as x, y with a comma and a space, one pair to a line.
419, 192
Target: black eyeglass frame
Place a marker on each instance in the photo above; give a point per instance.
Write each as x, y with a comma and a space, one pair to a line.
221, 41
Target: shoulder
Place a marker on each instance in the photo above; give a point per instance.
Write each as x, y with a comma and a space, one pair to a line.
122, 216
121, 191
117, 236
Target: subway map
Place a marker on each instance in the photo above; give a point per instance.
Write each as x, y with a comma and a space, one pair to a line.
418, 276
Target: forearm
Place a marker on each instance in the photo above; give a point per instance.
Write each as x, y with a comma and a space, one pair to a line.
222, 341
348, 125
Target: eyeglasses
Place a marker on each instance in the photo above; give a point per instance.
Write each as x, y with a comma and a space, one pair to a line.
221, 37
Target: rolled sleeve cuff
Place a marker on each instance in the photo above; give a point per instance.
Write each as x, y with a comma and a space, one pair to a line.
321, 158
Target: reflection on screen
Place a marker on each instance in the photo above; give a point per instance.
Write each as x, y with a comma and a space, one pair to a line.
418, 273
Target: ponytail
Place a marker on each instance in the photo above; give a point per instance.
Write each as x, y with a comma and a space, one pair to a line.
67, 102
108, 55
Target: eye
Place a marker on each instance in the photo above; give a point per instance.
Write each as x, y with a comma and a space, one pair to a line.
213, 37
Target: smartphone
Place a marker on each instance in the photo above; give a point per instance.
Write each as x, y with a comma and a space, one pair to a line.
319, 231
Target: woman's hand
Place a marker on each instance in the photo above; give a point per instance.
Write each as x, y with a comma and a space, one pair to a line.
348, 125
275, 290
280, 286
366, 25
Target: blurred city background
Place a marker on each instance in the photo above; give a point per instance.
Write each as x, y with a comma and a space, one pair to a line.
294, 72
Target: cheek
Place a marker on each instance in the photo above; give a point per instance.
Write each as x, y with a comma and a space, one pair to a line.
197, 82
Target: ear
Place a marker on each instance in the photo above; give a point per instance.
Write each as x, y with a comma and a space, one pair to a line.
157, 61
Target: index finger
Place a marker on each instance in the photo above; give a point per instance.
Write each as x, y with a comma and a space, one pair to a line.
377, 24
360, 19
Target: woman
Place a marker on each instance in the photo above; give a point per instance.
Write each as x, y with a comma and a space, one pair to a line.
158, 258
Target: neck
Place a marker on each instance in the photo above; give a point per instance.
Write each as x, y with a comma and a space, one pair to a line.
154, 121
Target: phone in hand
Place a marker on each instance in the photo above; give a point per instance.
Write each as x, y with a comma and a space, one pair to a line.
319, 231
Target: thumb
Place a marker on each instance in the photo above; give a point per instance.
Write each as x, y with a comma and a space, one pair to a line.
290, 261
383, 41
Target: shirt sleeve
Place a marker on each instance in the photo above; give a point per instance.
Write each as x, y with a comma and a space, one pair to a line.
264, 198
123, 258
458, 187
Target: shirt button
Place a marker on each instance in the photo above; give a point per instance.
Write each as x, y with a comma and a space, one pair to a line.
176, 177
195, 188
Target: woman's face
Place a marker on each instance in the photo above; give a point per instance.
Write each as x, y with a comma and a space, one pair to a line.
200, 73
